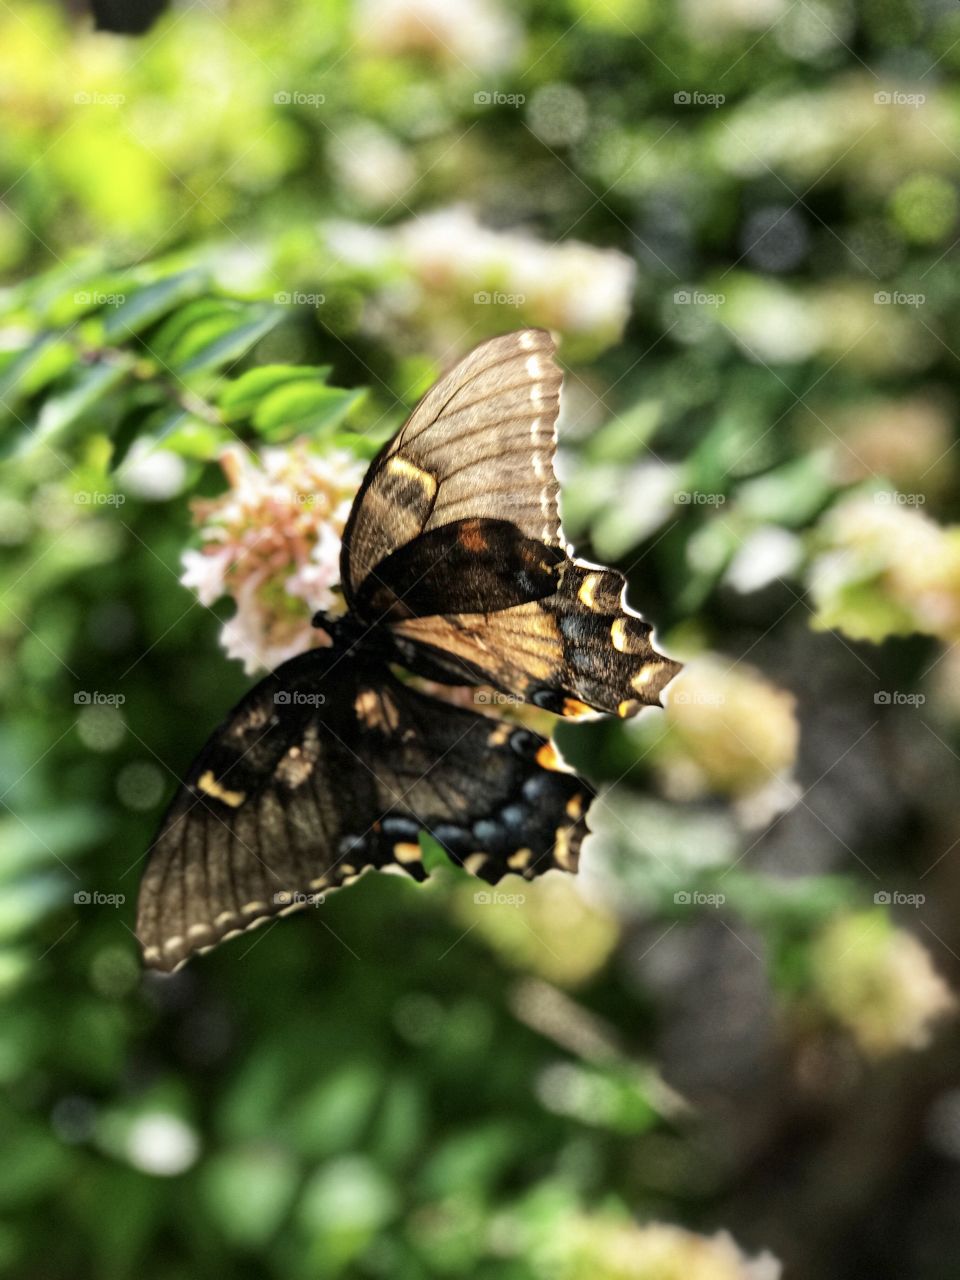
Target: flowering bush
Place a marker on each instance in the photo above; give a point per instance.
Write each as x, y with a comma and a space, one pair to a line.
272, 543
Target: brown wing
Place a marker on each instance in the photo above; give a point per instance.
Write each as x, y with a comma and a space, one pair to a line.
327, 768
480, 444
577, 650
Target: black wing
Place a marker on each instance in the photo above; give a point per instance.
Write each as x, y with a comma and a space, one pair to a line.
479, 445
454, 540
327, 768
574, 650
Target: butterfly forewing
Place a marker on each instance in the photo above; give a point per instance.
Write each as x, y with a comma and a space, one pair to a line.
331, 766
479, 445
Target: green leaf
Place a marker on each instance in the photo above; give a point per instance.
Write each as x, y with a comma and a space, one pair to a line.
248, 1192
434, 855
192, 437
147, 305
216, 343
176, 326
303, 406
88, 387
241, 397
46, 358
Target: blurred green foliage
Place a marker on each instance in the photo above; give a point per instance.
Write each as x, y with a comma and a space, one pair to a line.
740, 221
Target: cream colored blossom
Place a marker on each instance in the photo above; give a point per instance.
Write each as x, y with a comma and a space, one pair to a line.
452, 260
530, 923
725, 729
905, 441
272, 542
597, 1249
479, 33
887, 569
879, 982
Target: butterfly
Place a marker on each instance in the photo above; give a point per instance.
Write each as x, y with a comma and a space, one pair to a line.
453, 568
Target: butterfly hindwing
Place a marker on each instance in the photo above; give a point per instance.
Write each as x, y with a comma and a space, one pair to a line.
576, 650
331, 766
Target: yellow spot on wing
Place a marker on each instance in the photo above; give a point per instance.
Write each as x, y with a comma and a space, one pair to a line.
209, 785
517, 861
406, 852
547, 757
404, 467
618, 635
574, 707
588, 590
574, 806
561, 850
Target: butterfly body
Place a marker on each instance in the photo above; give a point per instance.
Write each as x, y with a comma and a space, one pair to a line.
453, 568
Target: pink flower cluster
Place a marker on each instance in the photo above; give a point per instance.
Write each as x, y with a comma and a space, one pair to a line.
272, 543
